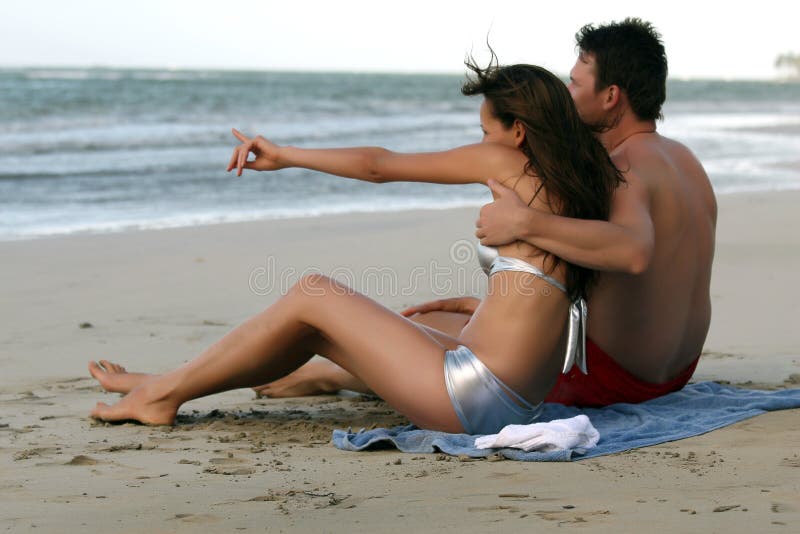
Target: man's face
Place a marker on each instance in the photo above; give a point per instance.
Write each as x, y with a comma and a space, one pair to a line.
588, 102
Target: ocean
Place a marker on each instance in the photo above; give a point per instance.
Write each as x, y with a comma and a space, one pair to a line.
98, 150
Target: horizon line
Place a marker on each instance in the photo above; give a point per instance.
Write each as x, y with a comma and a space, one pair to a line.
99, 67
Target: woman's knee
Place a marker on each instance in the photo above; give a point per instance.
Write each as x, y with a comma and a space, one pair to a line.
311, 284
313, 288
317, 284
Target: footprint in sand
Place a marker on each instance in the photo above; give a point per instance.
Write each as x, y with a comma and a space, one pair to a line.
194, 518
229, 466
780, 508
498, 507
26, 397
570, 516
30, 453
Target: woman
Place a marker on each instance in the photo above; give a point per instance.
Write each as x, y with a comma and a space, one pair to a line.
506, 359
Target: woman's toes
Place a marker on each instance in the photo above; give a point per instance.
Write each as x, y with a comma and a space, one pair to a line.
262, 391
95, 370
263, 387
110, 367
99, 409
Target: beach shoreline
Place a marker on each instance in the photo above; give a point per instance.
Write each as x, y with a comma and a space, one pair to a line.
181, 222
153, 298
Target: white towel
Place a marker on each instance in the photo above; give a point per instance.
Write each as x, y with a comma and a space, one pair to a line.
559, 434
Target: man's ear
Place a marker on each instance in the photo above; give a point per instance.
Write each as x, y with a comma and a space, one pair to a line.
519, 133
612, 97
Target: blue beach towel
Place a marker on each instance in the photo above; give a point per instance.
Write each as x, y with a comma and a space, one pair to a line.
694, 410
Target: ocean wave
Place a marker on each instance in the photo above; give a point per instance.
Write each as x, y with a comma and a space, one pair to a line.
11, 230
733, 188
121, 74
33, 229
106, 136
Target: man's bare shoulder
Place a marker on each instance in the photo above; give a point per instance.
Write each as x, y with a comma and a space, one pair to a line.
660, 164
653, 157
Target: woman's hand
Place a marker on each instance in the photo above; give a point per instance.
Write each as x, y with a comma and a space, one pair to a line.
265, 151
466, 305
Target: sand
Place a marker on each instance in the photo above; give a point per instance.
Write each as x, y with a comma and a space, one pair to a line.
152, 299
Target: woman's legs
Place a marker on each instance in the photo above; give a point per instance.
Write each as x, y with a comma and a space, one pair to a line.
312, 378
396, 359
320, 376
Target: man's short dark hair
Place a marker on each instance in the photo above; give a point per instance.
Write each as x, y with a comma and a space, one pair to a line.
629, 54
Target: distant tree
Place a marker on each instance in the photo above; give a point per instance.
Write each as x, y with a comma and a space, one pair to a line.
789, 62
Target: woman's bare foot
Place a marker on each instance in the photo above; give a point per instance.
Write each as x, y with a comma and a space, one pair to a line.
114, 378
147, 403
313, 378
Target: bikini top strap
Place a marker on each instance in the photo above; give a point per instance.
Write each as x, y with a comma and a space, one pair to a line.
578, 312
505, 263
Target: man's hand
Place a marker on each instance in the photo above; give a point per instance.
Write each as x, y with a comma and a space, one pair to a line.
466, 305
499, 222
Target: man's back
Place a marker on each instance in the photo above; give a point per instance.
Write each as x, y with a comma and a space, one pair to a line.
655, 323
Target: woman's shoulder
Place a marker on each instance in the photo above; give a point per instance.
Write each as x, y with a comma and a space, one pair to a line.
504, 160
530, 188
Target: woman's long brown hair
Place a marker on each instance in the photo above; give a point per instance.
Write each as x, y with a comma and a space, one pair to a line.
574, 169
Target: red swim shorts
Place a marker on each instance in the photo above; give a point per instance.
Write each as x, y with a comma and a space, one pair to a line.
608, 383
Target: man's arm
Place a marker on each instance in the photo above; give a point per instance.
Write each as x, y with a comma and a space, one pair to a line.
622, 244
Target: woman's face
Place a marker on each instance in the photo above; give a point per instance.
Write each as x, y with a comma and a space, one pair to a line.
493, 129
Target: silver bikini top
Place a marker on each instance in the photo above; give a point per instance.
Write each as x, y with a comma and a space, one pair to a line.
491, 262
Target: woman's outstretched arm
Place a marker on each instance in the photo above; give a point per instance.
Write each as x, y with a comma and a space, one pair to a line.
467, 164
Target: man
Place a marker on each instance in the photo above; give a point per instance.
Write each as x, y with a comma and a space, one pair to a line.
650, 311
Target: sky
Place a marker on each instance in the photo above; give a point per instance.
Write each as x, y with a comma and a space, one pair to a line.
703, 39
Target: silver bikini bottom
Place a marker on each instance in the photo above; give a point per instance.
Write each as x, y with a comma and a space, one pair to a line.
481, 400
